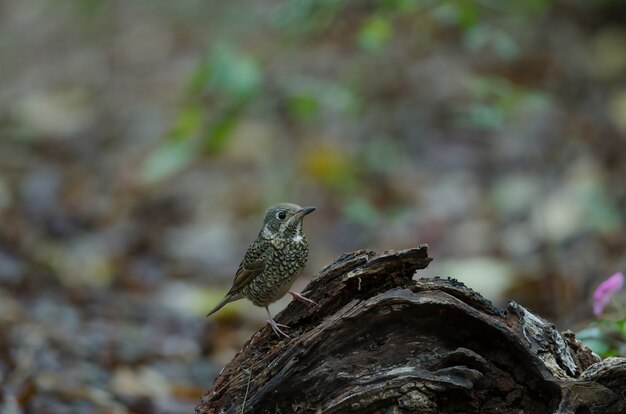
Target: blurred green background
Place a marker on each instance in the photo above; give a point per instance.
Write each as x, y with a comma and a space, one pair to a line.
141, 142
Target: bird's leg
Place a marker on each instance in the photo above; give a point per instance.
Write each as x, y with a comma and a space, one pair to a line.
274, 325
298, 296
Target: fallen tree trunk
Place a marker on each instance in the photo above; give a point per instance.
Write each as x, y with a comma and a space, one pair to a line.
381, 342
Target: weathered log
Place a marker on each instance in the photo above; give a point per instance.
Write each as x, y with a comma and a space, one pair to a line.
381, 342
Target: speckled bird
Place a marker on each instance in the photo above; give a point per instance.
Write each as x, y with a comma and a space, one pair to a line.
273, 261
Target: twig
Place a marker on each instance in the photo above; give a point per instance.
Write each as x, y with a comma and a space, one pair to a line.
245, 397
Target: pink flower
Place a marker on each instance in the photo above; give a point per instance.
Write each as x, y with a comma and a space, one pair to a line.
603, 294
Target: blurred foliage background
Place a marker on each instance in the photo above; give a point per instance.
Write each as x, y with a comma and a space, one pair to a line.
141, 142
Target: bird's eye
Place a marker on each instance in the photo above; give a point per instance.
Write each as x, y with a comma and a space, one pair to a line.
281, 215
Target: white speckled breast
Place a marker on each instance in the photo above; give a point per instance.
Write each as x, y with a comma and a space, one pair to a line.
282, 268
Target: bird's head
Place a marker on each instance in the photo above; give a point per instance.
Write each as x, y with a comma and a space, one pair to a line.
284, 220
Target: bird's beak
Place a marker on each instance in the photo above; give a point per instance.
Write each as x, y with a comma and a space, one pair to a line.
304, 211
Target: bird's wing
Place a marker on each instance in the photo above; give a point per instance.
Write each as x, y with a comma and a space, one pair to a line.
252, 264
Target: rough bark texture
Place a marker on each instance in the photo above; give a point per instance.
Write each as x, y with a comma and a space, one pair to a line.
381, 342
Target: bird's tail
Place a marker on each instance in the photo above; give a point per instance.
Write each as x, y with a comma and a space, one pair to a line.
231, 297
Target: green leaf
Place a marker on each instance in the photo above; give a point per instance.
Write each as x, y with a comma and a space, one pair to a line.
480, 38
400, 6
188, 122
466, 13
596, 345
166, 160
234, 73
485, 116
303, 106
374, 34
220, 131
596, 339
301, 17
227, 73
361, 210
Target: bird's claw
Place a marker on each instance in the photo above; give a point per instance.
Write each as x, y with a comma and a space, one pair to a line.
275, 327
299, 297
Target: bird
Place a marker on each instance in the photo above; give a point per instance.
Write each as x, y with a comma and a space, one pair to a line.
272, 262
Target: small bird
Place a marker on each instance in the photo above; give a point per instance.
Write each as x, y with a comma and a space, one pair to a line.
273, 261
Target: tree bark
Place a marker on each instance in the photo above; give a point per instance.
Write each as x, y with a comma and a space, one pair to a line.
381, 342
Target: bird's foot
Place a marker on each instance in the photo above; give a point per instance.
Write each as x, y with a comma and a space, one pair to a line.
298, 296
275, 326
